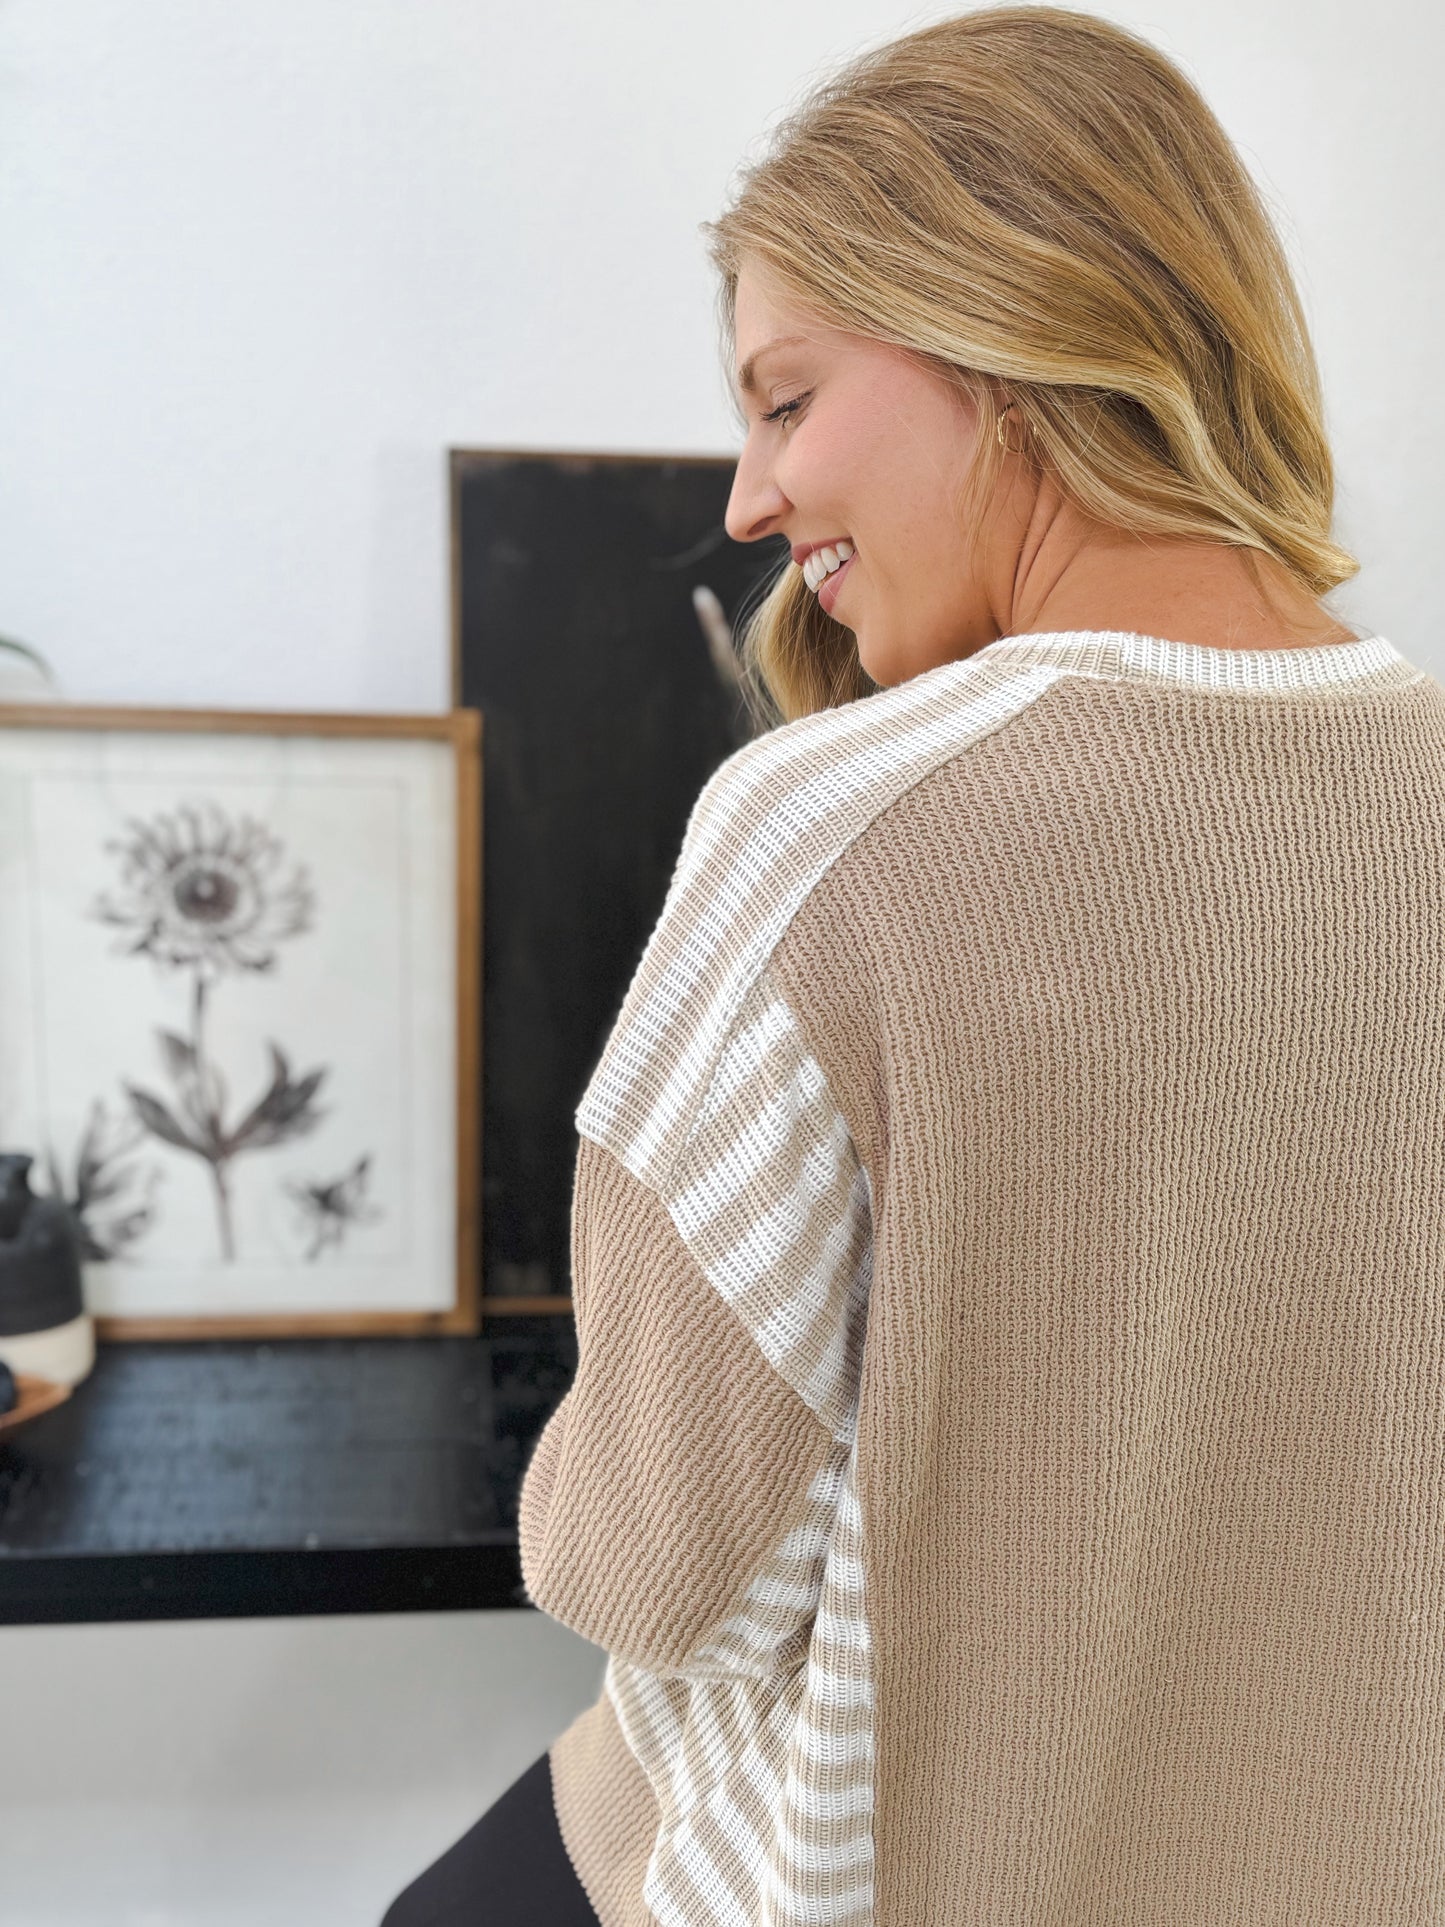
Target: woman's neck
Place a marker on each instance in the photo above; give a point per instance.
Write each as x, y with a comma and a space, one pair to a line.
1080, 576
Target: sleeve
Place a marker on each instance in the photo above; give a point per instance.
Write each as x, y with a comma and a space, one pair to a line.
678, 1507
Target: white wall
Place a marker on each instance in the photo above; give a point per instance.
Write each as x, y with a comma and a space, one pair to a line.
261, 263
263, 1773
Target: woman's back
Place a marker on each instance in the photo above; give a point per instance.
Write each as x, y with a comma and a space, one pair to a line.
1016, 1494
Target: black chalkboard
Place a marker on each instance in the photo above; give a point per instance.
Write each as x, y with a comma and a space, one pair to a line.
576, 634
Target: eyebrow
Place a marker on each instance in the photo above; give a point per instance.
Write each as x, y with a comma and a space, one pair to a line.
747, 380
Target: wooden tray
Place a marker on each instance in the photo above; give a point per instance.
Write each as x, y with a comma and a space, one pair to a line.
37, 1395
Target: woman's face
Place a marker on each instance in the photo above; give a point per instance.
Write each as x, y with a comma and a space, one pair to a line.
873, 446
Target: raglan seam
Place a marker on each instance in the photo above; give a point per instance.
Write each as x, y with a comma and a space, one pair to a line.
765, 967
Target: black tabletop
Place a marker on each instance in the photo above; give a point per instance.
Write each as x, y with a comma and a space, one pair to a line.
229, 1478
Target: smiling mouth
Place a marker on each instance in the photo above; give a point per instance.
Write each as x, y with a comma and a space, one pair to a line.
815, 570
828, 589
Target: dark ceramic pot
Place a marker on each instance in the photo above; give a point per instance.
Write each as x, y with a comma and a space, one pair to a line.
40, 1278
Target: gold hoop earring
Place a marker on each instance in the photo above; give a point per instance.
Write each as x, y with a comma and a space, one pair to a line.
1003, 444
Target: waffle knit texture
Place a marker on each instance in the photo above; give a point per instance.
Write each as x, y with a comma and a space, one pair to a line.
1004, 1462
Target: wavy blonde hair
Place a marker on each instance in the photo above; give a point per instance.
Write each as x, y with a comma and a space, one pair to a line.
1043, 206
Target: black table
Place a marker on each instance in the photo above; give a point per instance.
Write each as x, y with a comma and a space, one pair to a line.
234, 1479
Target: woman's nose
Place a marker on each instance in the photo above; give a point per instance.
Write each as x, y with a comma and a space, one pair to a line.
754, 506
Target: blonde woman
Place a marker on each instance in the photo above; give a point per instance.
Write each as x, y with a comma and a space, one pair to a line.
1005, 1465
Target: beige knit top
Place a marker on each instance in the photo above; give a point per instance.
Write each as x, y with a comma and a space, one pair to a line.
1005, 1466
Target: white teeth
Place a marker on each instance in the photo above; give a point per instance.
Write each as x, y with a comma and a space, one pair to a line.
824, 562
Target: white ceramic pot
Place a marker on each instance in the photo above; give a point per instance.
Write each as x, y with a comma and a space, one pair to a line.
65, 1353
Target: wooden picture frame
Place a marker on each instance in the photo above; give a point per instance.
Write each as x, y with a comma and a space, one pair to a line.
66, 770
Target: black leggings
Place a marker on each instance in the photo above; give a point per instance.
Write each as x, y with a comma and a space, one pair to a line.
510, 1869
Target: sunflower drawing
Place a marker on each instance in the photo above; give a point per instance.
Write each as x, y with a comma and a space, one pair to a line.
205, 894
202, 892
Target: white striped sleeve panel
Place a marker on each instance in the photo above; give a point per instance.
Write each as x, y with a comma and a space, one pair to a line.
760, 1749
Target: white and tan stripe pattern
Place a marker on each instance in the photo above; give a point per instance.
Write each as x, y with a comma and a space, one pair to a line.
778, 813
759, 1749
770, 1198
765, 1787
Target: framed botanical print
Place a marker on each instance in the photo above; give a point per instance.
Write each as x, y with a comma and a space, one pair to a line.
240, 1011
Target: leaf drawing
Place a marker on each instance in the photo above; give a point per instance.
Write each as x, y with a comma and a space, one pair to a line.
102, 1177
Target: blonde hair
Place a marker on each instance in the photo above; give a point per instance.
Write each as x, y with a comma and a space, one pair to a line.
1043, 205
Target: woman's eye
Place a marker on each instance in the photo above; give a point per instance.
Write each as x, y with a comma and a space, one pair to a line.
785, 409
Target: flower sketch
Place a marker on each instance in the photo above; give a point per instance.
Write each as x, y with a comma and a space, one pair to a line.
203, 894
107, 1220
327, 1210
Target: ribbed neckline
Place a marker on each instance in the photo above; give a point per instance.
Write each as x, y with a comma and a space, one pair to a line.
1124, 654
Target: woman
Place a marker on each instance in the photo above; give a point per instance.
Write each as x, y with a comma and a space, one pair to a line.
1003, 1461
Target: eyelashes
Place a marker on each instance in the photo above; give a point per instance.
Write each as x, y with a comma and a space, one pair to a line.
785, 410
